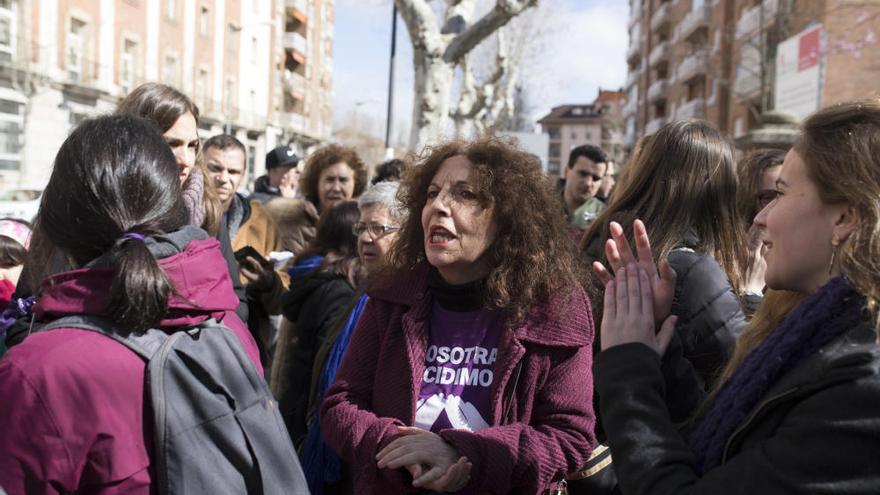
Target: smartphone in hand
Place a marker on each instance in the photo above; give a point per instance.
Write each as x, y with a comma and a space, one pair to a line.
246, 251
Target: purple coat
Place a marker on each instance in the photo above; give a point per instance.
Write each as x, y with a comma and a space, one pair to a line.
72, 410
550, 427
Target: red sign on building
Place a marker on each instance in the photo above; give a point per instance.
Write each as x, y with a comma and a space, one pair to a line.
808, 50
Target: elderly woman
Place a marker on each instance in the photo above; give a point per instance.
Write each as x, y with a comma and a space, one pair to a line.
380, 218
470, 367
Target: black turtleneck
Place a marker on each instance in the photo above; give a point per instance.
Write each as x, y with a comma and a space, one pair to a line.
458, 298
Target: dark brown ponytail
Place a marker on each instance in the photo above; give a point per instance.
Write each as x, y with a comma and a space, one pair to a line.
115, 181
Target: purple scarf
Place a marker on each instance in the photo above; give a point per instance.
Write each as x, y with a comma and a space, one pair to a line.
819, 319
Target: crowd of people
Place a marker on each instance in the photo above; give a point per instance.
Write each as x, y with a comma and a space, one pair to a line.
459, 323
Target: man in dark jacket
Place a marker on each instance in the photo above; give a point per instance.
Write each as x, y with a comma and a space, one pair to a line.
282, 176
249, 226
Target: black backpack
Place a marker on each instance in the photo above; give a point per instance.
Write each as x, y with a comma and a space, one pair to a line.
217, 428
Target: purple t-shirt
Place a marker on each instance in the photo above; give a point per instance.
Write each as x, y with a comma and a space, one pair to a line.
459, 370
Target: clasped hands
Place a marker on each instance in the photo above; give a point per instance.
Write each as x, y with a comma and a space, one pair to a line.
433, 463
638, 296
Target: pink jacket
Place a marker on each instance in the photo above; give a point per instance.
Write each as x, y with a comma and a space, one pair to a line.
72, 410
550, 426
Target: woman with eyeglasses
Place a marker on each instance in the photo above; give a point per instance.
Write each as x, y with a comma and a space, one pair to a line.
322, 285
470, 366
756, 188
376, 231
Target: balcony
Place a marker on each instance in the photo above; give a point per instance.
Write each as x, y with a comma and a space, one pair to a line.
634, 52
661, 16
251, 120
659, 53
747, 83
694, 109
630, 107
636, 14
655, 124
693, 65
751, 19
294, 84
657, 90
295, 41
633, 78
297, 9
292, 121
695, 20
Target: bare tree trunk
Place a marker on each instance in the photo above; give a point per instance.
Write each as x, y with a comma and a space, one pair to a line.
433, 84
438, 49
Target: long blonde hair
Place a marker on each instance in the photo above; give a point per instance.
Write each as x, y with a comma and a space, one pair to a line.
840, 146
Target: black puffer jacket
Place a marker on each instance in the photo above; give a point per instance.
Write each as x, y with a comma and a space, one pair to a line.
710, 317
817, 430
314, 304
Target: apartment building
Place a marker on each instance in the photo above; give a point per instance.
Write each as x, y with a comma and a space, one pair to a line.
599, 123
716, 59
62, 61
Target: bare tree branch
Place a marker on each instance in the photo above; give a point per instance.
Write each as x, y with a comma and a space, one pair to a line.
501, 14
421, 23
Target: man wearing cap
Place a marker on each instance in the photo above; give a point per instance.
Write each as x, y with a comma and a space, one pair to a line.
249, 225
282, 176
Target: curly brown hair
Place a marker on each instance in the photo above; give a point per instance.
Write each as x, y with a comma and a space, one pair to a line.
324, 158
532, 257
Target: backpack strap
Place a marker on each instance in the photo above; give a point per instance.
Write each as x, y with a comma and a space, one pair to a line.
145, 345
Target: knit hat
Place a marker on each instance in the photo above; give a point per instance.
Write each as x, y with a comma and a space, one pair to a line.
280, 157
16, 231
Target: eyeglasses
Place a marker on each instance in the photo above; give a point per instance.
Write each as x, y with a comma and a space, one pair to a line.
376, 230
765, 198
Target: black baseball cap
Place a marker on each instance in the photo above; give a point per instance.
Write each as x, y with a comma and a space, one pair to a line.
280, 157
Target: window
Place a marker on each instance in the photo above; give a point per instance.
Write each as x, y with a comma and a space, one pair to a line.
204, 21
170, 71
588, 136
127, 65
76, 49
251, 161
555, 150
738, 127
202, 89
228, 91
554, 132
10, 137
6, 37
171, 9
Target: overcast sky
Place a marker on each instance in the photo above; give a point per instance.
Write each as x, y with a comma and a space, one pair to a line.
582, 48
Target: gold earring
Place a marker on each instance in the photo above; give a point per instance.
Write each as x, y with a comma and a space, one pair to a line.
834, 247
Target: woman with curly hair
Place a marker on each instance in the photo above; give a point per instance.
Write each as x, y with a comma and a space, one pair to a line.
333, 174
470, 366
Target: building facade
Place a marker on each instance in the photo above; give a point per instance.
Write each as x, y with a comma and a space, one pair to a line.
62, 61
716, 59
599, 123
